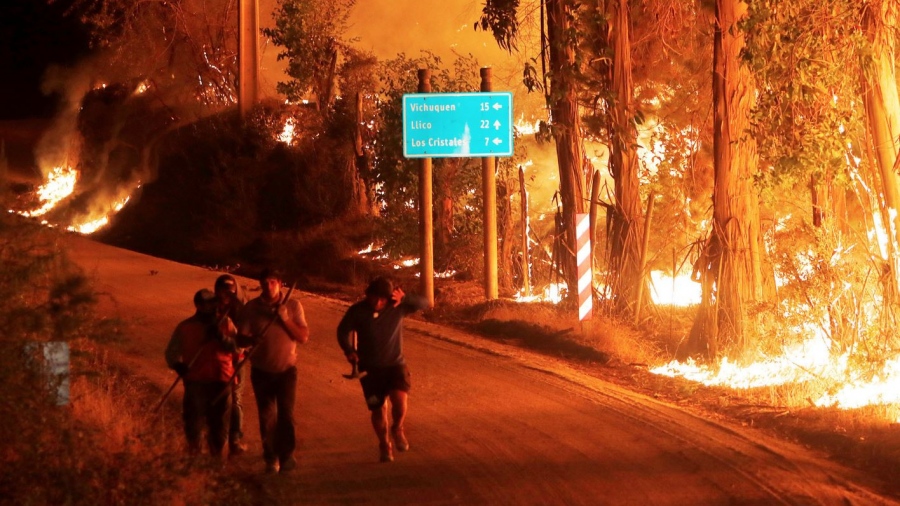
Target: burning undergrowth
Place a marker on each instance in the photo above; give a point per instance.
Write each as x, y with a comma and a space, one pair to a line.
824, 337
94, 156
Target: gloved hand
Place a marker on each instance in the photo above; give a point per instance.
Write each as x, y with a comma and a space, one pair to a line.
181, 368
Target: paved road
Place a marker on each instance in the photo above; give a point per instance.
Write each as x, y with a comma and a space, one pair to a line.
488, 424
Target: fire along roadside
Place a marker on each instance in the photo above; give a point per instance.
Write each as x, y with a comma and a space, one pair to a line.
262, 335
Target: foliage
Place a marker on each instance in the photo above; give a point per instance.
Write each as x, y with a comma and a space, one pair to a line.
310, 33
396, 176
500, 17
46, 453
185, 49
223, 183
829, 289
807, 110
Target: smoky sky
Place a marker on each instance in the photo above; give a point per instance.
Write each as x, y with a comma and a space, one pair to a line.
389, 27
33, 36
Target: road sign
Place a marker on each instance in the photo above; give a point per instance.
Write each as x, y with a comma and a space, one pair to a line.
444, 125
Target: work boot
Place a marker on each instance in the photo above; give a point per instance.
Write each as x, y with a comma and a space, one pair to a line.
400, 439
387, 454
288, 465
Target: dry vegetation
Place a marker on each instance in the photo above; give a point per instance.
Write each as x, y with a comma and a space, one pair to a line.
103, 446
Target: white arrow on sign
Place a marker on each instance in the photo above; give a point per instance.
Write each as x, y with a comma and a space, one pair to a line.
497, 124
498, 106
497, 141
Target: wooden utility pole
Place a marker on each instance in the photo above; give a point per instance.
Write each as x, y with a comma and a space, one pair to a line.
426, 219
248, 55
489, 188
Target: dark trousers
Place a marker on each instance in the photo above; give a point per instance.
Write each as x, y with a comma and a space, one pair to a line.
236, 432
198, 408
275, 396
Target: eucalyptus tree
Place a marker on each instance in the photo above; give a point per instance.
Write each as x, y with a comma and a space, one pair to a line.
730, 263
612, 114
880, 21
559, 51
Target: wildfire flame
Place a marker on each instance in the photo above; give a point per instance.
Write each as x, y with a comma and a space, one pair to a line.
60, 184
287, 133
809, 361
553, 293
91, 226
679, 290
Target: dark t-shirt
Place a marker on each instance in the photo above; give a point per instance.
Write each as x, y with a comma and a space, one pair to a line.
379, 333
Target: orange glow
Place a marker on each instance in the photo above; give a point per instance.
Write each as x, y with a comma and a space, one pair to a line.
60, 184
680, 290
808, 362
553, 292
287, 133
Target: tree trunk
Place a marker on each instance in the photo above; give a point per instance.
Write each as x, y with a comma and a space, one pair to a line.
443, 226
325, 93
364, 196
879, 90
566, 129
733, 252
627, 227
505, 235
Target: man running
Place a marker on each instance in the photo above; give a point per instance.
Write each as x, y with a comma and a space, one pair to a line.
377, 321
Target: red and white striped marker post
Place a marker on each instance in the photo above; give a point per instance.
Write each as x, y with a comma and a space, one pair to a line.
583, 259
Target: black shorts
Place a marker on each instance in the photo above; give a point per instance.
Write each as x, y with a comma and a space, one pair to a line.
380, 381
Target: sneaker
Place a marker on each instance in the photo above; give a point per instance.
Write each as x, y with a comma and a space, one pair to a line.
271, 467
387, 454
288, 465
237, 448
400, 440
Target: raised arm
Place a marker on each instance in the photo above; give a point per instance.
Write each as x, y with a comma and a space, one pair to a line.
294, 320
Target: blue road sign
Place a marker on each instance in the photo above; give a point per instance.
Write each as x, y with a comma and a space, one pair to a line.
444, 125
